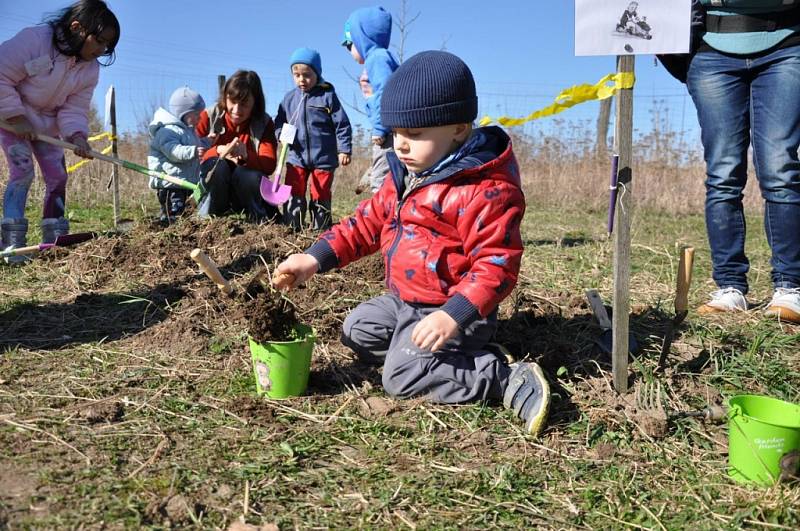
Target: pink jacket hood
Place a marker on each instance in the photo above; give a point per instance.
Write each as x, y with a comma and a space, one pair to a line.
54, 91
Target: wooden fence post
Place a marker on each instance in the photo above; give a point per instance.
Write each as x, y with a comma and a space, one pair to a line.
622, 230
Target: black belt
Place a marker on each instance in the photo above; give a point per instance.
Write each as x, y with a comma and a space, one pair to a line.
748, 23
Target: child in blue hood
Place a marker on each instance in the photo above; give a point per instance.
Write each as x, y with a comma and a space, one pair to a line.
175, 149
322, 141
366, 36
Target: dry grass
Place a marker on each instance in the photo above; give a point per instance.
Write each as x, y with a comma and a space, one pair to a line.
558, 168
127, 397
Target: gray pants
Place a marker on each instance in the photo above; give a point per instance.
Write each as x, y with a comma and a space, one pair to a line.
377, 171
380, 330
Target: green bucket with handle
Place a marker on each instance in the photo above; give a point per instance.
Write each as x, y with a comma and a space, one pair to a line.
281, 367
761, 432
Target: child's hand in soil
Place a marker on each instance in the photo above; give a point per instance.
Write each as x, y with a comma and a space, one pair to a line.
294, 271
434, 330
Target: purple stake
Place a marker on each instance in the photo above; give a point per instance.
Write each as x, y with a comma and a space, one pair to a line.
612, 199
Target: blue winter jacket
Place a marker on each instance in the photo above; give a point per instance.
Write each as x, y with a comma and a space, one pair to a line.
323, 129
370, 29
173, 149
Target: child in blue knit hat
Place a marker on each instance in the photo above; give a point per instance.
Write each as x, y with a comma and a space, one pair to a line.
322, 140
447, 220
175, 149
367, 33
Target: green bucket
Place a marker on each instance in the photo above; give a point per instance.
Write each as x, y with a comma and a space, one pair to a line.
281, 367
761, 430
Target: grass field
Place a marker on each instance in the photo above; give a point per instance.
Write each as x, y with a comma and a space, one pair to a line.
111, 421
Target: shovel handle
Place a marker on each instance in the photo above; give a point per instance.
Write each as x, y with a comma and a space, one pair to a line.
210, 268
21, 251
113, 160
283, 151
685, 264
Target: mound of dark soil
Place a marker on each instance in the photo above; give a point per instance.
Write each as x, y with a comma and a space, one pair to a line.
143, 290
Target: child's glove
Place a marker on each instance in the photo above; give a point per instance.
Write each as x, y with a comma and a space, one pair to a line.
82, 147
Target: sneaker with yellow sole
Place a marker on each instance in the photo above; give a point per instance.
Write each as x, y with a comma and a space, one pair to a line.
528, 395
724, 300
785, 305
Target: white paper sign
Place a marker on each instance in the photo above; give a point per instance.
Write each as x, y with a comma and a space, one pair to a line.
623, 27
107, 116
288, 132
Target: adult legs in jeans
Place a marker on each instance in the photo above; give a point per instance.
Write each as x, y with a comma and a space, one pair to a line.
776, 137
721, 96
733, 97
462, 371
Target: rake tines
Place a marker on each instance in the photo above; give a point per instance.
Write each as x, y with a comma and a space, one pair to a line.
649, 399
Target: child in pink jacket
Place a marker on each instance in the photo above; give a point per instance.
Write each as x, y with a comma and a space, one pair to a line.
47, 76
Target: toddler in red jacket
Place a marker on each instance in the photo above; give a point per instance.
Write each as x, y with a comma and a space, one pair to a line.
446, 220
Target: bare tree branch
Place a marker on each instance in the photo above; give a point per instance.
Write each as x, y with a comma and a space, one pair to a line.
403, 23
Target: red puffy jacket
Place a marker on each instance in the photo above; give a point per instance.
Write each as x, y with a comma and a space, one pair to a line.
453, 241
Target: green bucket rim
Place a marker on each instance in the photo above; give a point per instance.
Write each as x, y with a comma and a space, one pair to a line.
735, 409
310, 334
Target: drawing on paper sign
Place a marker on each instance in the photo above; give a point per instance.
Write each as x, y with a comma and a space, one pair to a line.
632, 23
618, 27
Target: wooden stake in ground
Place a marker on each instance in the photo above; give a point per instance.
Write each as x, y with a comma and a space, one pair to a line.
622, 230
112, 111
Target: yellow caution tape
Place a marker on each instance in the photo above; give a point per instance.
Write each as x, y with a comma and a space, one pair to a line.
101, 136
571, 97
95, 138
78, 164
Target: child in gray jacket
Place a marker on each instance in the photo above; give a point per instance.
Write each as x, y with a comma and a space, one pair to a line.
175, 149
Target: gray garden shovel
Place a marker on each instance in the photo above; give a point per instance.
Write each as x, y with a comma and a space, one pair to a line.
605, 340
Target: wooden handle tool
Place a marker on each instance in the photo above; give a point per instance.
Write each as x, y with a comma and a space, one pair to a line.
210, 268
685, 264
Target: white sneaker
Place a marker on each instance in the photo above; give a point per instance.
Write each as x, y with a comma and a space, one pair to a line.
724, 300
785, 305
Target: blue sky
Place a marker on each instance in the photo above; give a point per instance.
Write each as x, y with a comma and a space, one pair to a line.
521, 52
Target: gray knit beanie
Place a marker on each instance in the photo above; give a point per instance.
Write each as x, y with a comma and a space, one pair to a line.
185, 100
